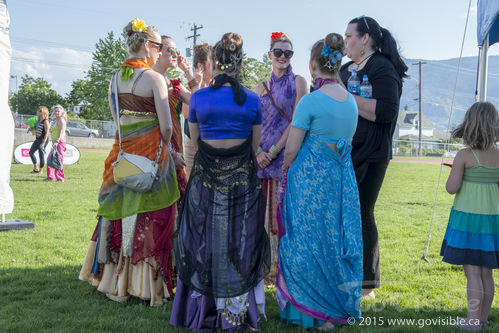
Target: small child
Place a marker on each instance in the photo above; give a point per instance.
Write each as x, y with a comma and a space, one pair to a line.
472, 235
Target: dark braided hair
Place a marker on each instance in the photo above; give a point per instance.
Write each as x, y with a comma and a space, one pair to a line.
227, 54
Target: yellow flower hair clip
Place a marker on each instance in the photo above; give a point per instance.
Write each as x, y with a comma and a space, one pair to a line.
138, 25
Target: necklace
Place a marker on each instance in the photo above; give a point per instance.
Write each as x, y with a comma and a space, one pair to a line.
363, 60
319, 82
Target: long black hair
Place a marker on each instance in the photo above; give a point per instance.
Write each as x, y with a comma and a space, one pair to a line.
384, 42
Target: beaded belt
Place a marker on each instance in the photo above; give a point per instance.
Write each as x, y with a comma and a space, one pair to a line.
138, 114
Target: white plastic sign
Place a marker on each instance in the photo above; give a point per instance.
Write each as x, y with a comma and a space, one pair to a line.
21, 153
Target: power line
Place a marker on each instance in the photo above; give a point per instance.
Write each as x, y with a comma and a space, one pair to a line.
30, 41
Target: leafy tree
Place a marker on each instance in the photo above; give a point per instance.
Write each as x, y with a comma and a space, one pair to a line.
32, 93
108, 56
253, 71
78, 94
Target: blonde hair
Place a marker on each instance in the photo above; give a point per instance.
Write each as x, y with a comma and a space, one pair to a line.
480, 126
62, 111
134, 40
44, 113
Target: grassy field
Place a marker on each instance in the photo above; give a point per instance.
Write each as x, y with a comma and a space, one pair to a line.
40, 290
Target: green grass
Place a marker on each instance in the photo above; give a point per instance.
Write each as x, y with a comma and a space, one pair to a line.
40, 290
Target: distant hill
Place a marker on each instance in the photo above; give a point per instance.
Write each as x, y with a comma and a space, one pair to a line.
439, 77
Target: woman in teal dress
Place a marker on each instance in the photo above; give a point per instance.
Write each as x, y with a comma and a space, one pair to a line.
320, 250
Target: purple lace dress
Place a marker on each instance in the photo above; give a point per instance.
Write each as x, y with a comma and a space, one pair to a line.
283, 90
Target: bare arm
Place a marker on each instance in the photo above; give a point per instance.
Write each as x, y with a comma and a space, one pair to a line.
185, 110
257, 133
456, 174
293, 145
62, 129
194, 130
185, 94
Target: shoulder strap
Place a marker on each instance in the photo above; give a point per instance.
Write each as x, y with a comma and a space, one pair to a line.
137, 80
476, 157
273, 103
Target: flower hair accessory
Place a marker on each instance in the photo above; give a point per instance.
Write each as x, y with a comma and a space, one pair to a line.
333, 57
138, 25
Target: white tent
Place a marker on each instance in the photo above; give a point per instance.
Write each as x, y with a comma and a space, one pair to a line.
487, 34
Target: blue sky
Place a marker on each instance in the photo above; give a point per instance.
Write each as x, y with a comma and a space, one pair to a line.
54, 39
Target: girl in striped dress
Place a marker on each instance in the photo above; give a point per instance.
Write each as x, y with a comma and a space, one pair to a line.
472, 235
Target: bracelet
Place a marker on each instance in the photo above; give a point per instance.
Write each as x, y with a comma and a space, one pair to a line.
274, 152
192, 83
259, 150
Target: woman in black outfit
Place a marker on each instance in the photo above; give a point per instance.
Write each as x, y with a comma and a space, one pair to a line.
374, 52
42, 128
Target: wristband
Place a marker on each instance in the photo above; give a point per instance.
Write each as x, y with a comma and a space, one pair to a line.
274, 152
259, 150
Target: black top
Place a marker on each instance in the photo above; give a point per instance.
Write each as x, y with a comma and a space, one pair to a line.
372, 141
40, 129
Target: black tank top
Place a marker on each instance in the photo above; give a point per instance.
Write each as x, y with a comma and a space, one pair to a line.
40, 130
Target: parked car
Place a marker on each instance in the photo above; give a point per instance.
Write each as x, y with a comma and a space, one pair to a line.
75, 128
20, 124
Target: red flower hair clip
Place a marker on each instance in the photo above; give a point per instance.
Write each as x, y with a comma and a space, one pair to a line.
276, 35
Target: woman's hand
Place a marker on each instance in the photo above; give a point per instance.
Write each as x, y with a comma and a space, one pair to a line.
178, 159
184, 66
263, 159
54, 143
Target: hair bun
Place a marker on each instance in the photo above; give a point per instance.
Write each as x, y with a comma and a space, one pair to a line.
231, 41
335, 41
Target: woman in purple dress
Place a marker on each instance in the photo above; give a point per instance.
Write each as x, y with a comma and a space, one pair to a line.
279, 97
221, 247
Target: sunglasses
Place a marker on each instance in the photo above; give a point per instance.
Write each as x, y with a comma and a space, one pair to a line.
159, 45
278, 53
365, 21
173, 51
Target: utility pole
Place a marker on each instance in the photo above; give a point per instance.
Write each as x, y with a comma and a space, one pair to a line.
195, 29
419, 63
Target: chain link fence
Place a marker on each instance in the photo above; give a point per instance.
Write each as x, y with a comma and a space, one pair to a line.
428, 148
90, 128
107, 129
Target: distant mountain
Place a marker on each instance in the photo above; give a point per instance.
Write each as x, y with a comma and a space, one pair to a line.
439, 77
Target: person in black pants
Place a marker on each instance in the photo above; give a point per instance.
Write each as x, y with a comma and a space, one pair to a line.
42, 133
374, 52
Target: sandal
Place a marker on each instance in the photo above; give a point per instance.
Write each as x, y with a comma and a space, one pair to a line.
35, 171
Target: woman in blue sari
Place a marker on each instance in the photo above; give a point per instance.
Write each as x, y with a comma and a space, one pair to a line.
320, 249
